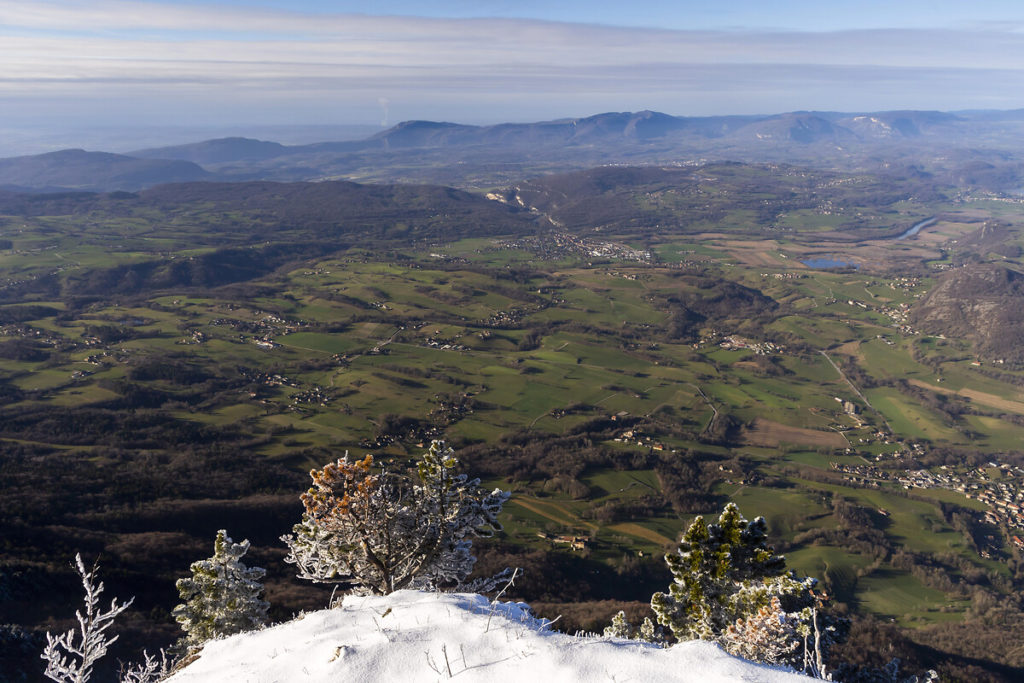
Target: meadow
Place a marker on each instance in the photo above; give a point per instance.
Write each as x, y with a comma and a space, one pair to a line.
616, 399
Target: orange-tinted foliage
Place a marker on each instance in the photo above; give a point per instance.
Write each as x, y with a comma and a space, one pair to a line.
338, 486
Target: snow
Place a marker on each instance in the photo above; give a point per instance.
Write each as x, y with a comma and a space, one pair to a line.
413, 636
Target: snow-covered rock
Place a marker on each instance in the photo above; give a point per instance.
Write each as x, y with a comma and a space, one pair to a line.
413, 636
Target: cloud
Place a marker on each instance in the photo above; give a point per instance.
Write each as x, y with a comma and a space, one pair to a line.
217, 58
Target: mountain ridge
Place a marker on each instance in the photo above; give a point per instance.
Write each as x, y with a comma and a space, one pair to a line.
481, 156
81, 170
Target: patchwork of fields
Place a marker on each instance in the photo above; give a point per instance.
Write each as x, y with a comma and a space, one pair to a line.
616, 399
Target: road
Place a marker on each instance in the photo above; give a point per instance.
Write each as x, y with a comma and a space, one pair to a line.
857, 391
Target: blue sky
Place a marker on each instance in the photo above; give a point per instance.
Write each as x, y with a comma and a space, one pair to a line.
119, 64
802, 15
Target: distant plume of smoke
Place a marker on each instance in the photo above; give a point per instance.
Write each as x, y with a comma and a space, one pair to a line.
383, 102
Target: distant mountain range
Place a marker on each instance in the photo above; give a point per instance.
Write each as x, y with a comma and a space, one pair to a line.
78, 169
981, 148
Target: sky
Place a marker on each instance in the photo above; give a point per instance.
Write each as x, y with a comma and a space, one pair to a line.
127, 66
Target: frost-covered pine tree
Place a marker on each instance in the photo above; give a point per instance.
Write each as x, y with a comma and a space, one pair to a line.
723, 572
459, 509
381, 532
222, 597
619, 628
68, 661
648, 632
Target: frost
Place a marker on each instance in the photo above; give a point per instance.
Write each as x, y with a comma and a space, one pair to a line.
222, 597
381, 532
76, 665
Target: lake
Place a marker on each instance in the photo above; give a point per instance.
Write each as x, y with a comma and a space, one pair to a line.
827, 262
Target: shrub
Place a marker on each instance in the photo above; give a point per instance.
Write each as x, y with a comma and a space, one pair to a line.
380, 532
76, 665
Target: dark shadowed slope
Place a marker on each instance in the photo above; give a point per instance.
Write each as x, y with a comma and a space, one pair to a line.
78, 169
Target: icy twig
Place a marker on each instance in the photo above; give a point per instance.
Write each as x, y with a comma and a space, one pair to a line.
150, 670
498, 597
76, 666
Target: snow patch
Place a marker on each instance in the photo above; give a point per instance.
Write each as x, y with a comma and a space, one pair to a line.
413, 636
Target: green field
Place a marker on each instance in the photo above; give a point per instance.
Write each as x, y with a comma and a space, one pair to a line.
509, 348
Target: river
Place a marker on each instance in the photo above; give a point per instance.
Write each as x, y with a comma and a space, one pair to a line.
916, 228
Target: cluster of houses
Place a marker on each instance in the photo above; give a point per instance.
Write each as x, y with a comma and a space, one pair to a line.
267, 379
264, 328
10, 282
1002, 493
618, 251
98, 358
559, 245
314, 394
623, 275
266, 324
732, 342
785, 276
907, 284
504, 320
433, 341
448, 258
900, 316
441, 345
574, 542
634, 437
42, 336
421, 434
196, 337
1004, 498
449, 410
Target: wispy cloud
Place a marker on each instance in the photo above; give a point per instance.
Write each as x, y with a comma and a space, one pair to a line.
135, 53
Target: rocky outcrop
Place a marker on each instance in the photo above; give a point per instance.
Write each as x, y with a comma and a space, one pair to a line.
983, 303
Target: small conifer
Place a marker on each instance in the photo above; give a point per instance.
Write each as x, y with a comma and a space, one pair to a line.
619, 628
723, 572
222, 597
648, 631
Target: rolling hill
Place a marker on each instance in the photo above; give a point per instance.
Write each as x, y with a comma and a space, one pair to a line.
80, 170
977, 149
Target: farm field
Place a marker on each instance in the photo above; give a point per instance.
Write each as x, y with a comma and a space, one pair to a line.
337, 360
617, 397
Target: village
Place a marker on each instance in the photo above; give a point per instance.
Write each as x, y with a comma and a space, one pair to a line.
559, 245
733, 343
266, 325
999, 487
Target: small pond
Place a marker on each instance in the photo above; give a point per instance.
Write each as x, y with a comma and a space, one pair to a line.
828, 262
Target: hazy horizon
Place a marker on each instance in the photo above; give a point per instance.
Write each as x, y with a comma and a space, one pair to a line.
135, 74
